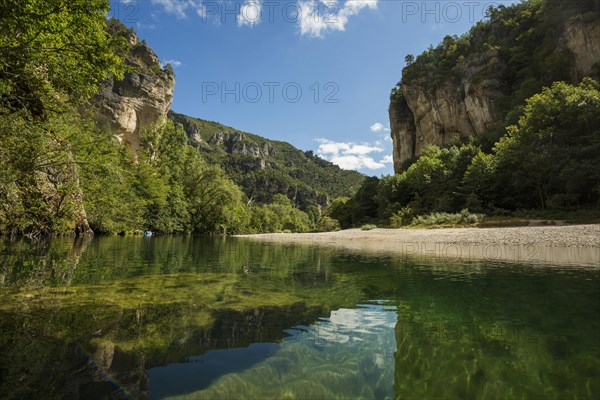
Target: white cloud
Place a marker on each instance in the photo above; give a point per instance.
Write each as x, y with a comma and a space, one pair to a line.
362, 149
317, 17
330, 147
378, 127
174, 63
201, 10
250, 13
387, 159
179, 7
349, 155
356, 162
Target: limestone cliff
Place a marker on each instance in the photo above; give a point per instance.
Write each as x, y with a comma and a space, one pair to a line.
141, 99
582, 37
263, 167
471, 97
421, 117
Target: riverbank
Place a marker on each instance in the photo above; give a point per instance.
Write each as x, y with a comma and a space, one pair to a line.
571, 244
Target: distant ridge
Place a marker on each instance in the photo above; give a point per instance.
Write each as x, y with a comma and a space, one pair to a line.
264, 167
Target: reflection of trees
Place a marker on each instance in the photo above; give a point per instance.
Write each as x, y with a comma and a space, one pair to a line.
79, 319
90, 351
88, 331
33, 263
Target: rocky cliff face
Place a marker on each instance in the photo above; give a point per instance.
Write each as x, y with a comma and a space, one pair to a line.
141, 99
582, 37
228, 140
423, 115
263, 167
236, 143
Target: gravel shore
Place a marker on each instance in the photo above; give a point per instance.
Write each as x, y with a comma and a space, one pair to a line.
571, 244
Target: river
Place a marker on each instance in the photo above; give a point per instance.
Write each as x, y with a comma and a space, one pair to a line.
230, 318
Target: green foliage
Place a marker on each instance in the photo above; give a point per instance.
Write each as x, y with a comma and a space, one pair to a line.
263, 168
53, 57
215, 203
402, 217
552, 157
543, 150
360, 209
53, 51
549, 159
328, 224
430, 183
339, 211
445, 219
368, 227
110, 183
278, 217
177, 190
38, 187
52, 170
58, 170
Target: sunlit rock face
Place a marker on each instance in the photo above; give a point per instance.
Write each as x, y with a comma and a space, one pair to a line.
141, 99
465, 104
582, 38
423, 117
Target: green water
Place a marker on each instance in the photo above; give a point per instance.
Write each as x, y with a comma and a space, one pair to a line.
202, 318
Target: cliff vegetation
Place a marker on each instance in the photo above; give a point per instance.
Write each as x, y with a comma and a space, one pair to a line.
501, 120
86, 145
477, 84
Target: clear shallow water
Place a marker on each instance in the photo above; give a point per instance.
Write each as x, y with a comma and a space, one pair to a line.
201, 318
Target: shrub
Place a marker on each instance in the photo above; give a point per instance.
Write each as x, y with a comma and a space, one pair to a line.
441, 218
368, 227
402, 217
328, 224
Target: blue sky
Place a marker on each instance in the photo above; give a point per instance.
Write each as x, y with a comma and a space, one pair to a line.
314, 73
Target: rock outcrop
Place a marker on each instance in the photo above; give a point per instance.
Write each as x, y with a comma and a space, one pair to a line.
423, 114
141, 99
422, 117
228, 140
582, 37
236, 143
263, 167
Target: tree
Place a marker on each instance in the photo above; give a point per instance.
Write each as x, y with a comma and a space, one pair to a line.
478, 181
53, 52
39, 187
553, 153
339, 210
53, 56
214, 201
109, 182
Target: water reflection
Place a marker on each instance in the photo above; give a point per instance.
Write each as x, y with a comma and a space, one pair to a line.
219, 318
198, 372
366, 332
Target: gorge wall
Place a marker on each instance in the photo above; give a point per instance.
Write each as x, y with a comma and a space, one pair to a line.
141, 99
437, 105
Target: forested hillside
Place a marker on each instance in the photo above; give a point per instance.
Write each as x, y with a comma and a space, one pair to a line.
263, 167
477, 84
86, 146
503, 119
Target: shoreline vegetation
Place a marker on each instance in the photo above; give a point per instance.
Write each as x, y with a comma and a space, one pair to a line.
561, 245
65, 173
